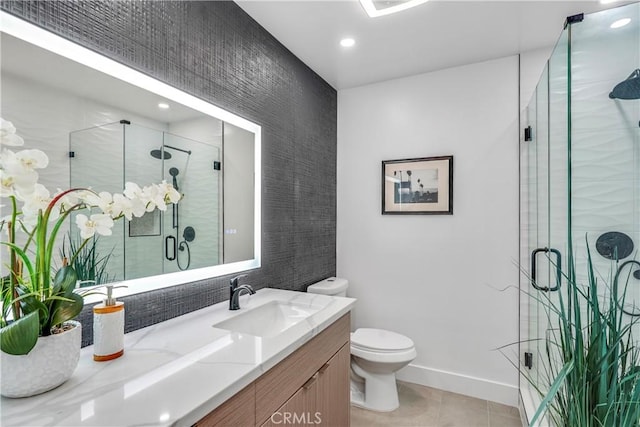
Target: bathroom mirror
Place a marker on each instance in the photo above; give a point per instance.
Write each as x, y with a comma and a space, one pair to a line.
103, 124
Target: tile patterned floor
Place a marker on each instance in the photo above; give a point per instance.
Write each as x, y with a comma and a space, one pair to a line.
430, 407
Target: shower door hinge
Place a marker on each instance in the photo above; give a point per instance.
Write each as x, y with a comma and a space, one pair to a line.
72, 153
125, 122
528, 359
573, 19
216, 165
527, 133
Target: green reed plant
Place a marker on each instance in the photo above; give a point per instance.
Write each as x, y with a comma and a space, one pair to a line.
592, 373
88, 263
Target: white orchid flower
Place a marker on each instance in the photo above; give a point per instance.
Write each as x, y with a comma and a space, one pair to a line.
138, 208
88, 197
104, 201
38, 200
8, 135
20, 185
132, 191
156, 198
140, 198
32, 159
171, 195
116, 205
29, 220
97, 223
67, 201
122, 206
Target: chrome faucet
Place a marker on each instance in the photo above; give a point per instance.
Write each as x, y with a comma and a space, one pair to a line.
235, 291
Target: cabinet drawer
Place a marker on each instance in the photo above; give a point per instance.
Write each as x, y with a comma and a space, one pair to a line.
283, 380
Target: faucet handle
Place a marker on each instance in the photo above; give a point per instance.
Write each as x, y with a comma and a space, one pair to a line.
234, 281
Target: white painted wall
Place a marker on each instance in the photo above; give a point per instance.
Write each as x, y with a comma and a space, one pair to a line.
437, 279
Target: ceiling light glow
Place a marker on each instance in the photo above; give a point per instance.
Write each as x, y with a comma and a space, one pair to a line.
620, 23
347, 42
373, 11
607, 1
163, 106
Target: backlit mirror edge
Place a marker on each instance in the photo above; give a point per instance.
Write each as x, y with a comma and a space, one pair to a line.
37, 36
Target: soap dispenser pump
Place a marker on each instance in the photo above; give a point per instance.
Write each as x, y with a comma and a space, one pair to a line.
108, 328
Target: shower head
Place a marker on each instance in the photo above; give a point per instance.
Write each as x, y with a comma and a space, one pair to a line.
174, 173
160, 154
628, 89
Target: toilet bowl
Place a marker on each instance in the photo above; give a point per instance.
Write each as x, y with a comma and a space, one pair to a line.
376, 356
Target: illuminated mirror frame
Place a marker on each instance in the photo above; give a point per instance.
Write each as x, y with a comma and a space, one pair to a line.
44, 39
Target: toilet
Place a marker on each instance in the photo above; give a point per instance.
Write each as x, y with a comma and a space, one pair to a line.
376, 356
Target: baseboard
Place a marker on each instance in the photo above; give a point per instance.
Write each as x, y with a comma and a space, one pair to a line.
463, 384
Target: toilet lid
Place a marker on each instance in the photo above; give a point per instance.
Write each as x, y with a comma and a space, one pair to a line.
380, 340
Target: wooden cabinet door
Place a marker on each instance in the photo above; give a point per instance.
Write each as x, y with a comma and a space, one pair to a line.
323, 400
333, 404
299, 410
238, 411
283, 380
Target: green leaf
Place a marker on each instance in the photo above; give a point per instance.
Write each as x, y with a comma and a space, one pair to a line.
65, 281
29, 303
20, 337
65, 310
553, 390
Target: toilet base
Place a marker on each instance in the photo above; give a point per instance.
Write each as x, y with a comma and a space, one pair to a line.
375, 392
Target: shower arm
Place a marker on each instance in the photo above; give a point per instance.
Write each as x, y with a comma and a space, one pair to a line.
177, 149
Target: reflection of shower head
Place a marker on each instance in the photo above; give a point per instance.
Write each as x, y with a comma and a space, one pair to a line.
628, 89
160, 154
174, 173
163, 154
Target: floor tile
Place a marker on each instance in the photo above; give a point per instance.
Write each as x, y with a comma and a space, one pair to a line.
429, 407
496, 420
500, 409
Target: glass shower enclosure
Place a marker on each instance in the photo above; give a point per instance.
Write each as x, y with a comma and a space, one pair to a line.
186, 235
580, 177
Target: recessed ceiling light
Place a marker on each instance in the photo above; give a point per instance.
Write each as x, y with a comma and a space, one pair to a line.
347, 42
375, 8
607, 1
163, 106
620, 23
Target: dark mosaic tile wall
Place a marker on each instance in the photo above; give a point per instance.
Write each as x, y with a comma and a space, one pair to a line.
213, 50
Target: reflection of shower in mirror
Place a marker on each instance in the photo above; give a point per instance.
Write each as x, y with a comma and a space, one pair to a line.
107, 156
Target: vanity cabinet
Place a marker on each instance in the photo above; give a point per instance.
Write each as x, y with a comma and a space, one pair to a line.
323, 400
309, 387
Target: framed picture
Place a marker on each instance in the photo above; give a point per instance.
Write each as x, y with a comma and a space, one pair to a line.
421, 186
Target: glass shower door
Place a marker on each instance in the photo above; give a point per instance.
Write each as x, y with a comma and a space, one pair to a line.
545, 164
192, 229
95, 161
143, 165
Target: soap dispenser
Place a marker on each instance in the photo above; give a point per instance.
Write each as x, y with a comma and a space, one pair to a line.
108, 328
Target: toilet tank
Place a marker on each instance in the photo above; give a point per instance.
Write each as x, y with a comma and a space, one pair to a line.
334, 286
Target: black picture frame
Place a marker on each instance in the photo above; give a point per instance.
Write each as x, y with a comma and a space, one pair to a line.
420, 186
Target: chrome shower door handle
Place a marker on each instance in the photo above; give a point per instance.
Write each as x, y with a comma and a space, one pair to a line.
534, 268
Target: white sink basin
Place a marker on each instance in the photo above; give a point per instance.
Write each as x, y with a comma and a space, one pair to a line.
268, 320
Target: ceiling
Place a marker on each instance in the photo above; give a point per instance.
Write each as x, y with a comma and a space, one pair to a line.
436, 35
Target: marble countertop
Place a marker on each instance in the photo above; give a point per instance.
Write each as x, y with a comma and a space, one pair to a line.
175, 372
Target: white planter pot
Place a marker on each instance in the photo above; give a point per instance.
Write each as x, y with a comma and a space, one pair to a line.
50, 363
